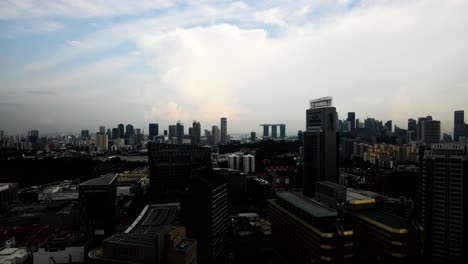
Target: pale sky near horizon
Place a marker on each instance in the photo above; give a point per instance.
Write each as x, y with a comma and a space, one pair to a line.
72, 65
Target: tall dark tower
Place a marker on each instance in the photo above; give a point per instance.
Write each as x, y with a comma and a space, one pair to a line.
179, 132
274, 131
196, 133
352, 119
224, 139
444, 203
121, 130
459, 124
282, 131
320, 144
153, 130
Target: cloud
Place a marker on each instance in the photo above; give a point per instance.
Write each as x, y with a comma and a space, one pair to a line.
383, 59
27, 9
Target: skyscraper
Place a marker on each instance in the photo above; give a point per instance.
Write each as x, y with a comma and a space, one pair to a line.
419, 126
215, 135
352, 119
171, 167
412, 125
84, 134
102, 129
179, 132
444, 203
274, 131
153, 130
224, 131
196, 133
430, 131
172, 131
320, 144
205, 213
253, 136
115, 133
129, 131
459, 124
121, 130
282, 131
388, 126
102, 141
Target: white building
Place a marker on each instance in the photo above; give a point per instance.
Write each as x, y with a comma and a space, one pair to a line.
66, 255
249, 163
13, 256
102, 142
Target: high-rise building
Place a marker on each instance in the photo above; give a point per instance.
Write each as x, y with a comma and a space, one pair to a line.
109, 133
352, 119
179, 132
116, 133
129, 131
444, 203
300, 136
172, 131
253, 136
320, 144
121, 130
205, 213
215, 135
84, 134
458, 125
307, 231
102, 142
34, 136
412, 125
274, 131
153, 131
282, 131
102, 129
224, 139
196, 133
419, 126
430, 131
388, 126
97, 204
171, 167
265, 130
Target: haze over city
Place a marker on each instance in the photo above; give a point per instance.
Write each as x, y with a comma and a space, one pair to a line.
69, 65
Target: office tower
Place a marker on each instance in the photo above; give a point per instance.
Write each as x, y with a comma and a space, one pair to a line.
153, 131
121, 130
274, 131
282, 131
196, 133
265, 130
165, 132
179, 132
388, 126
102, 129
430, 131
97, 204
249, 163
102, 142
419, 126
205, 213
172, 131
190, 130
129, 131
138, 135
171, 167
224, 139
446, 138
253, 136
352, 119
300, 136
84, 134
109, 133
412, 125
444, 203
115, 133
34, 136
320, 146
215, 135
458, 125
307, 231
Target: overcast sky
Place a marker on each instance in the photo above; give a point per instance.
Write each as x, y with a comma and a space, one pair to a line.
72, 65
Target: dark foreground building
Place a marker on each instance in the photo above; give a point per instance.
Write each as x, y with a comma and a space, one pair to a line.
205, 214
171, 167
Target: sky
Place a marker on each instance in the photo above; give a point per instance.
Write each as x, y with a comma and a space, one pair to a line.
72, 65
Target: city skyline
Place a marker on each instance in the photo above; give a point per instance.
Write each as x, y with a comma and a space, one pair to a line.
75, 65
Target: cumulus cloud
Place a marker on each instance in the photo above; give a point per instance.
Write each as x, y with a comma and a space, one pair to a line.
382, 59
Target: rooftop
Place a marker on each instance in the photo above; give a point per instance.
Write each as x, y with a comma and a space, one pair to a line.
321, 102
389, 222
106, 179
310, 206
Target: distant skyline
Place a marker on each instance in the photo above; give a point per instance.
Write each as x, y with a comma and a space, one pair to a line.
72, 65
